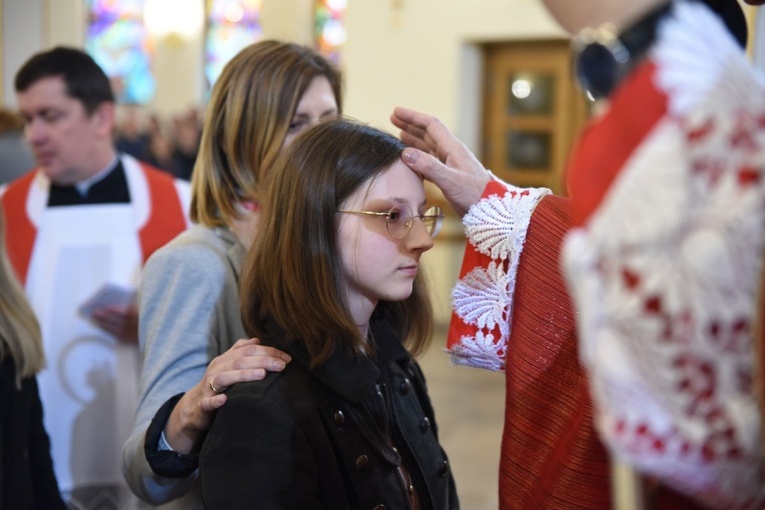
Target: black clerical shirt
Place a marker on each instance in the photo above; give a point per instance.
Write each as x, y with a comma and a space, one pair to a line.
111, 189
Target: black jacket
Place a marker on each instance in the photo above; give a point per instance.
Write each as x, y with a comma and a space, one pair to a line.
331, 437
26, 470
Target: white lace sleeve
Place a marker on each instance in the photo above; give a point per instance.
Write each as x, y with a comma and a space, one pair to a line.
483, 299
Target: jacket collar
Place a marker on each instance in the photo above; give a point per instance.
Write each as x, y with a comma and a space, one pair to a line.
351, 376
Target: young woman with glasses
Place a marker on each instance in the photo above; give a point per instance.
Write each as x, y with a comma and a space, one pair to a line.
334, 278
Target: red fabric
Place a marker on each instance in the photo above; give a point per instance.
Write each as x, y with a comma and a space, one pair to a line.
166, 219
608, 143
601, 154
20, 233
665, 498
471, 259
551, 456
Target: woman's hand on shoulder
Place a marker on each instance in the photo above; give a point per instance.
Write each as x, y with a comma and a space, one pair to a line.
245, 361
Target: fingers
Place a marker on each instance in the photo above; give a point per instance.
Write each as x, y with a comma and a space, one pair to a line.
120, 323
242, 342
411, 117
414, 134
424, 164
403, 119
246, 361
429, 134
219, 382
214, 389
415, 142
251, 347
441, 157
211, 404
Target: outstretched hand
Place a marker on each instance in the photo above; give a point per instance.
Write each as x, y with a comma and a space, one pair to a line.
441, 158
246, 360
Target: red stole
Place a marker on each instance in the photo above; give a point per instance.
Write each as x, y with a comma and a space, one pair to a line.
606, 145
166, 218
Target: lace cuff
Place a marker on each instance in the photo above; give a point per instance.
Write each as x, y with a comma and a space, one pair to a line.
482, 300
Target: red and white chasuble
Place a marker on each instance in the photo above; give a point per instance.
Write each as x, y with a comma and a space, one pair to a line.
666, 259
64, 255
664, 265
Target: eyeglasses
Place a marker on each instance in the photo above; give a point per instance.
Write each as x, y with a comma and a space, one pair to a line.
399, 219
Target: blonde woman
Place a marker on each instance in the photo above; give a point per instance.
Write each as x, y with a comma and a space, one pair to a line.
26, 470
189, 301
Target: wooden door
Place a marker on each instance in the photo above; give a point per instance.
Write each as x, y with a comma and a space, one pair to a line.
532, 112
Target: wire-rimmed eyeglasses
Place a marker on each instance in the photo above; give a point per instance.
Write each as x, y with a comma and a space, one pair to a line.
399, 219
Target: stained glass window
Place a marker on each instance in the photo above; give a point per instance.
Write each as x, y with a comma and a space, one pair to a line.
329, 30
117, 40
232, 25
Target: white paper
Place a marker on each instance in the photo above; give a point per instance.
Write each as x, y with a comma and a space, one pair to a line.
109, 294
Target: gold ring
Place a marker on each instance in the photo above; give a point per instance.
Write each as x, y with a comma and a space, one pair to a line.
213, 387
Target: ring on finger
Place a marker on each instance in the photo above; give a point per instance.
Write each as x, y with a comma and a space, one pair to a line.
212, 386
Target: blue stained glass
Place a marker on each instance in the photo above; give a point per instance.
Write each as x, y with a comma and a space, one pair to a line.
232, 25
117, 40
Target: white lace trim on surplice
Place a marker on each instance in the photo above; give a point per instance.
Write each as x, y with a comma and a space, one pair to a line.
496, 226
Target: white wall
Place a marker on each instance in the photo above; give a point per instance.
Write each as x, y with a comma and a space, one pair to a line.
423, 54
22, 34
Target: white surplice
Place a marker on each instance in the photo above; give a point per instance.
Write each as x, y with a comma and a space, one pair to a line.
90, 386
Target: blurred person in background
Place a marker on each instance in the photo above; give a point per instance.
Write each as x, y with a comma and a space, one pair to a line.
27, 479
15, 155
80, 226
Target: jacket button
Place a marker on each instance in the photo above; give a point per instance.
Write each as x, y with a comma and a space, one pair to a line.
404, 388
443, 469
339, 418
362, 463
379, 507
425, 424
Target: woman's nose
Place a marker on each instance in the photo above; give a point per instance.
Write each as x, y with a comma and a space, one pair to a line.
418, 238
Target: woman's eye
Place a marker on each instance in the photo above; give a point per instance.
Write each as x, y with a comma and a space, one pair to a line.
394, 215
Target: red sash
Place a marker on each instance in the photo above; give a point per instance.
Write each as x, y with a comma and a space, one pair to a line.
166, 218
606, 145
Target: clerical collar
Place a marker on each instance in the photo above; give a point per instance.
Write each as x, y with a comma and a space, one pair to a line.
107, 187
605, 55
84, 186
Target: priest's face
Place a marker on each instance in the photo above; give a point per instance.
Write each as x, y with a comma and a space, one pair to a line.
69, 144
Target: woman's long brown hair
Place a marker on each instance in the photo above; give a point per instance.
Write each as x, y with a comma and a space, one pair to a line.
292, 274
